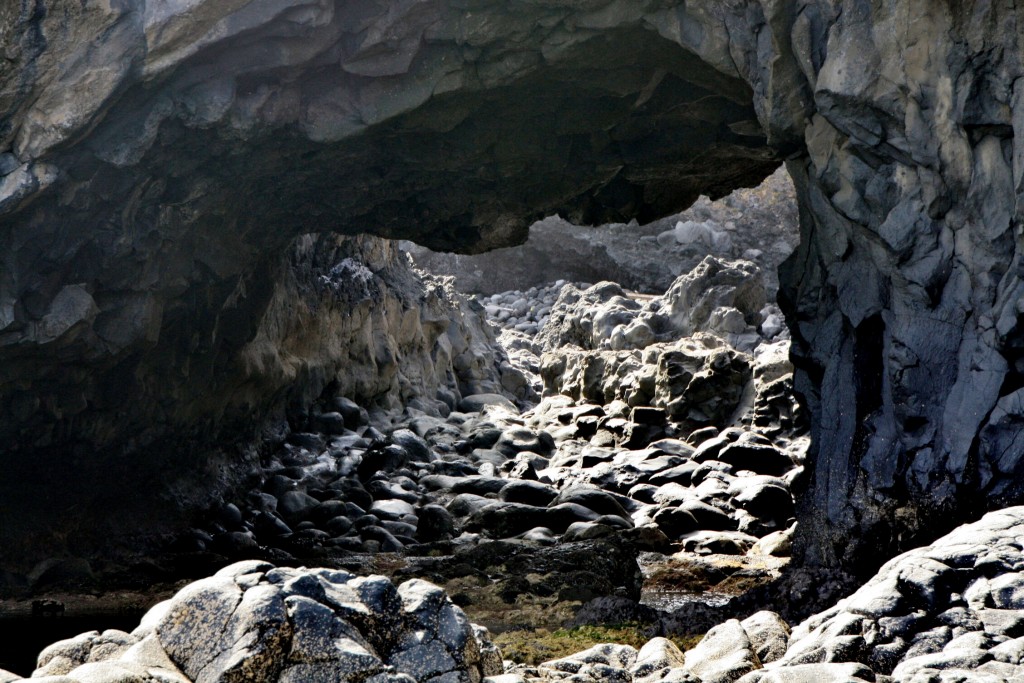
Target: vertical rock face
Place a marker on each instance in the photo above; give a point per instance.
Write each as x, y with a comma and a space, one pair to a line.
153, 154
904, 298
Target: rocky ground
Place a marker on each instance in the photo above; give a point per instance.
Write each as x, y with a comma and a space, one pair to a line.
658, 431
662, 429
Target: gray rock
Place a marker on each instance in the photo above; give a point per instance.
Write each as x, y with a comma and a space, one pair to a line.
518, 440
768, 500
925, 614
434, 523
559, 517
254, 622
329, 423
607, 654
415, 446
504, 520
391, 509
675, 521
353, 414
654, 657
717, 542
762, 459
528, 492
541, 535
1007, 591
813, 673
466, 504
296, 506
594, 499
479, 485
585, 531
769, 635
709, 517
67, 655
724, 655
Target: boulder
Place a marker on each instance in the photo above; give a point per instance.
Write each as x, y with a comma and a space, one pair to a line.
434, 523
505, 520
528, 492
724, 655
926, 614
601, 502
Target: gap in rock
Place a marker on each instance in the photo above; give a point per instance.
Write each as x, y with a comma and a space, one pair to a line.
589, 349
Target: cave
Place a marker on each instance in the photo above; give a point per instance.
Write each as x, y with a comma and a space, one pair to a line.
189, 190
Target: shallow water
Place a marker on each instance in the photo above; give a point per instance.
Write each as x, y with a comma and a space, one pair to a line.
672, 600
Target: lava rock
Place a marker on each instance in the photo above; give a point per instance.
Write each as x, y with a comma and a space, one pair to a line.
528, 492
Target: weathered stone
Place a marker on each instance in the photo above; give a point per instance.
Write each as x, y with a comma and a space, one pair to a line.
924, 614
253, 622
813, 673
724, 655
504, 520
528, 492
769, 635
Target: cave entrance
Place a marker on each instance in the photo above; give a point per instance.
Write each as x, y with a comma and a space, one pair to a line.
657, 358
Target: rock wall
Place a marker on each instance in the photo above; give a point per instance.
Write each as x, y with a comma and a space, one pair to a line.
904, 297
154, 154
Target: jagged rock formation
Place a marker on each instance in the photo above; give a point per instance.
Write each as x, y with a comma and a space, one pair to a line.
950, 611
721, 297
155, 154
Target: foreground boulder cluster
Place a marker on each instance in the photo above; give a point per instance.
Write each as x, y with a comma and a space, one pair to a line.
252, 621
951, 611
677, 444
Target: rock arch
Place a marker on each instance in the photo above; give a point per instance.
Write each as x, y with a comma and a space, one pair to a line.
159, 155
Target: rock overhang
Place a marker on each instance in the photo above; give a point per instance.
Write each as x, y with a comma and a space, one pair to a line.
450, 138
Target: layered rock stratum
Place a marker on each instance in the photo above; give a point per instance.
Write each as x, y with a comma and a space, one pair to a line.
158, 158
